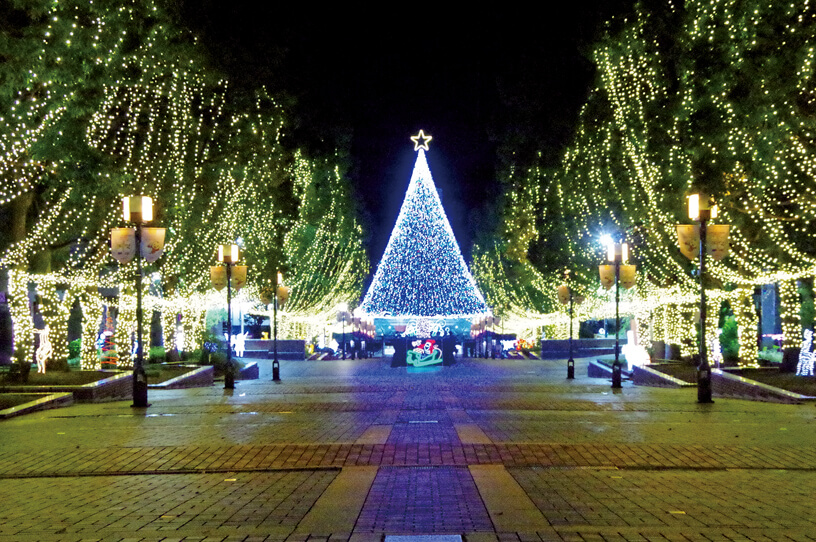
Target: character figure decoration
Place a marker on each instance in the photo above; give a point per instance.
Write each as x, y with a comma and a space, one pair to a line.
716, 349
238, 343
635, 354
109, 358
425, 352
44, 351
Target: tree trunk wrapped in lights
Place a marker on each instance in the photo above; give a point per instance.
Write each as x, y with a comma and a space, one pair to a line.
21, 319
789, 313
713, 304
92, 309
192, 321
747, 327
55, 312
125, 328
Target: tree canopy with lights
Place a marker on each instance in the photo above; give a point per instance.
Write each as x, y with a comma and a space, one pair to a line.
100, 101
714, 95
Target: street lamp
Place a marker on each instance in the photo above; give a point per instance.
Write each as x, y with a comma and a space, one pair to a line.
228, 254
566, 296
281, 297
702, 239
495, 320
618, 253
490, 337
342, 315
150, 243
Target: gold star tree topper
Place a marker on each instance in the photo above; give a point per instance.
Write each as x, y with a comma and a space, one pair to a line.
425, 140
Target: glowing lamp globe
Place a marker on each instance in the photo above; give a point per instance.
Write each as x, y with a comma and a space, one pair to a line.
228, 254
700, 207
137, 209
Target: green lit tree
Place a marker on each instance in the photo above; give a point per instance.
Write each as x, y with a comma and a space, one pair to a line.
105, 101
704, 95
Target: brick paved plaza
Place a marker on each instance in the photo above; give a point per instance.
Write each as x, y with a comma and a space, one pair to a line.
491, 450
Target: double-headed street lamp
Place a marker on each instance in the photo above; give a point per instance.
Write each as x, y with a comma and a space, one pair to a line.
228, 254
566, 296
343, 315
124, 245
618, 253
281, 296
702, 239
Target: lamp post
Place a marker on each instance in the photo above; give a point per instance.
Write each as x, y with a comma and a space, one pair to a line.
565, 297
356, 315
342, 315
617, 253
281, 296
491, 336
497, 344
701, 209
228, 254
125, 243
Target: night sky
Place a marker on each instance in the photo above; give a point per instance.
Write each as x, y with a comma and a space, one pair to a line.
480, 84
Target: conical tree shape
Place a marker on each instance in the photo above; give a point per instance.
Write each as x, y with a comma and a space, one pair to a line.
422, 272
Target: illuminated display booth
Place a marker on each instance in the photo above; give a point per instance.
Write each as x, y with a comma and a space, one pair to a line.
422, 288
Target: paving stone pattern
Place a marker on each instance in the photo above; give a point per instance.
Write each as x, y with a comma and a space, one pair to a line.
424, 500
685, 499
117, 506
265, 460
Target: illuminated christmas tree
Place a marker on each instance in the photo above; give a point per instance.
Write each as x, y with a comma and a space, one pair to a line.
422, 272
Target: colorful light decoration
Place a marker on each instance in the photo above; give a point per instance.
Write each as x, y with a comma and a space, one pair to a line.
424, 352
806, 355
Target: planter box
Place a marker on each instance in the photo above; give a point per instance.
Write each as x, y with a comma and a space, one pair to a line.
724, 384
197, 377
39, 401
118, 386
598, 370
581, 348
288, 349
251, 371
646, 376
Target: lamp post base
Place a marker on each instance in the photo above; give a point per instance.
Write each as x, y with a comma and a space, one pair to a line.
570, 369
616, 375
704, 384
276, 371
229, 379
139, 388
